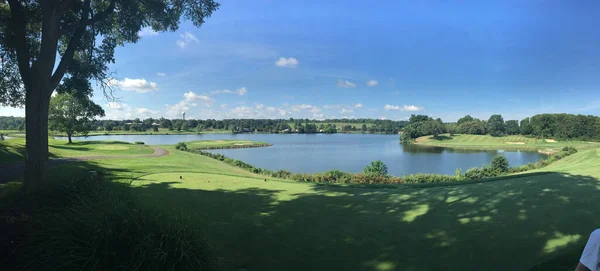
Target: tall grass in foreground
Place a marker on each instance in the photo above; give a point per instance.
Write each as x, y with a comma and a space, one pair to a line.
100, 226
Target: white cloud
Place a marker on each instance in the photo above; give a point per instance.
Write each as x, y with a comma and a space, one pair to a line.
315, 110
190, 100
412, 108
137, 85
331, 106
403, 108
271, 109
260, 106
290, 62
192, 97
358, 105
372, 83
345, 84
224, 106
345, 111
240, 91
118, 111
186, 38
391, 107
161, 74
145, 113
147, 31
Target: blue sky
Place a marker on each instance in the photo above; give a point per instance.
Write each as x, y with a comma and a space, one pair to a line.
377, 59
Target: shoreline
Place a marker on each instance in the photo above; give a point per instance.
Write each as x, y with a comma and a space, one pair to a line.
260, 145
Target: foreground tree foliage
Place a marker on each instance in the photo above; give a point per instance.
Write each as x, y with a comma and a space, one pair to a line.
71, 115
82, 36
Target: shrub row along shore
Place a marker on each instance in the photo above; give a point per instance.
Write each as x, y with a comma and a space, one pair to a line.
257, 145
498, 167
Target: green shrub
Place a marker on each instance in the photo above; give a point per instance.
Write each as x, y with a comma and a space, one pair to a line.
475, 173
499, 164
282, 174
458, 174
376, 168
139, 142
181, 146
107, 230
429, 178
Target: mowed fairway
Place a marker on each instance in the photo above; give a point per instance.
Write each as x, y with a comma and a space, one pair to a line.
466, 141
511, 224
13, 149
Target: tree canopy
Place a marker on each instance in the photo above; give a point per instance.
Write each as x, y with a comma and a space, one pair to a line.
50, 44
496, 126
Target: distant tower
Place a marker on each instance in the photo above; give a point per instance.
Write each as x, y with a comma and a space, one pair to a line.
183, 115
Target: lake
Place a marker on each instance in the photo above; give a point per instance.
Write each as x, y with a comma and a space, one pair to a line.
306, 153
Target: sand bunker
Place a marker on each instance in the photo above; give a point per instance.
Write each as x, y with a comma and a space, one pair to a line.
239, 144
515, 143
550, 140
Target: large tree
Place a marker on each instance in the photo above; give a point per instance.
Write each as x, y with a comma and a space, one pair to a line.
82, 36
512, 127
496, 126
72, 115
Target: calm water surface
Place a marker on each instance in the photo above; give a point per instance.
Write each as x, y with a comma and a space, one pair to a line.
347, 152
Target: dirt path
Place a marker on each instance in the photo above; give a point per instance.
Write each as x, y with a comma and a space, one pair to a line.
13, 171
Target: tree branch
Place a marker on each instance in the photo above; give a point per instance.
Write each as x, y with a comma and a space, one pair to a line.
18, 33
102, 15
67, 57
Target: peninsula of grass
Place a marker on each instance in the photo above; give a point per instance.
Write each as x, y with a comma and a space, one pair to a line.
225, 144
271, 224
510, 142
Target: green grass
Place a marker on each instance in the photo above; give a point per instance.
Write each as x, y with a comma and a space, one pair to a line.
284, 225
13, 149
465, 141
223, 143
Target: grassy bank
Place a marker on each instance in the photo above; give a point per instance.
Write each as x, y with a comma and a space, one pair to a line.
513, 142
13, 149
225, 144
284, 225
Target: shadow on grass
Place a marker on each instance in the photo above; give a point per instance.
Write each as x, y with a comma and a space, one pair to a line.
71, 147
11, 153
83, 143
514, 224
539, 221
442, 137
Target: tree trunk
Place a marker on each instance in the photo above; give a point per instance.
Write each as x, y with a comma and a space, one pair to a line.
69, 136
36, 121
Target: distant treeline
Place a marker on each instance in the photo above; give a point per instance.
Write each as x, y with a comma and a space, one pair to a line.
255, 125
556, 126
12, 123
